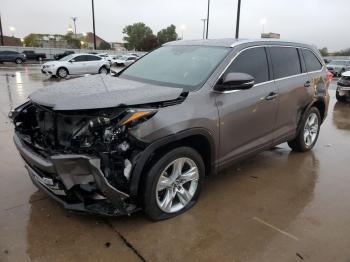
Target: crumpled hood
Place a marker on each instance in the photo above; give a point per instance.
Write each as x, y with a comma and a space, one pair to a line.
101, 91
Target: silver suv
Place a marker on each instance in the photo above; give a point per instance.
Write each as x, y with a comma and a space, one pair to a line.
146, 138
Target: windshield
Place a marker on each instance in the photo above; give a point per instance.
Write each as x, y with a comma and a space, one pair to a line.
337, 63
178, 66
66, 58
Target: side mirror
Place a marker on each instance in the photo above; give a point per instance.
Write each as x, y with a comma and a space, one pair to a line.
72, 60
235, 81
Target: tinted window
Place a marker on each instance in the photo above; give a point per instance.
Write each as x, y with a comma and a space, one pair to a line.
131, 58
311, 61
80, 58
253, 62
285, 61
93, 58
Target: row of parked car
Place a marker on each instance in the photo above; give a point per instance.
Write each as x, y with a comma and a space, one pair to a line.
19, 58
341, 68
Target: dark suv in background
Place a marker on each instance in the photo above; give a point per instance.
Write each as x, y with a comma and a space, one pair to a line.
12, 56
146, 138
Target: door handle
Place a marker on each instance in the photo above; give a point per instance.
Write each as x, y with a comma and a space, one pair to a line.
271, 96
307, 84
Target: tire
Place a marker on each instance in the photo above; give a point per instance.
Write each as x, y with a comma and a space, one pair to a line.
18, 61
308, 134
339, 97
184, 194
62, 72
103, 70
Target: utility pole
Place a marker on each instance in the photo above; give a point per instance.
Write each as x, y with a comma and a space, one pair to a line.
2, 36
75, 26
204, 23
238, 18
208, 20
93, 23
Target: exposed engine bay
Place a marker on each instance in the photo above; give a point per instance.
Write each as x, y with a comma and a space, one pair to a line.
101, 134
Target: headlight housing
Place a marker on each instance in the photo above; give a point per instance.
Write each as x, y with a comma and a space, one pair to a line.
109, 128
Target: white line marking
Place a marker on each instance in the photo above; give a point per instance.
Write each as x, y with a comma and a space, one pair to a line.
275, 228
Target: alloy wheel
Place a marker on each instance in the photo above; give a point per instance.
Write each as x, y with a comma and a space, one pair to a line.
311, 129
177, 185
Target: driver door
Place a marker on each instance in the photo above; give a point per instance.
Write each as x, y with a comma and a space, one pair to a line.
247, 117
78, 65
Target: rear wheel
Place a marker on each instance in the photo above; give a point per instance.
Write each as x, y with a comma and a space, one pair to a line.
62, 72
308, 132
173, 183
19, 61
103, 70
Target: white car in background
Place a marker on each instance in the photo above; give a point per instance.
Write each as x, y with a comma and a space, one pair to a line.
76, 64
125, 60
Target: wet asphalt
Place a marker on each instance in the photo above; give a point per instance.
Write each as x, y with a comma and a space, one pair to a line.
276, 206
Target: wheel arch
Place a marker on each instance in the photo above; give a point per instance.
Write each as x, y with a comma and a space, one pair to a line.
58, 68
197, 138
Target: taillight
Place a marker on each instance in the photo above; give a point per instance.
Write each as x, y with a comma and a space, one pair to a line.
329, 76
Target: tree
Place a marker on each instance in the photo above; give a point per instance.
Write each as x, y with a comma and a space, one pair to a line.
343, 52
137, 34
32, 40
104, 46
324, 51
150, 43
166, 35
72, 42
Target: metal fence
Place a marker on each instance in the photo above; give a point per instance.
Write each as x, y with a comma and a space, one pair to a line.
50, 52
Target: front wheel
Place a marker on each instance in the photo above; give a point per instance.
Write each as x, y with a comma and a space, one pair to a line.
62, 72
173, 183
19, 61
308, 131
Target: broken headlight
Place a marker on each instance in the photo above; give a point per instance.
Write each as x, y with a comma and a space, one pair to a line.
109, 128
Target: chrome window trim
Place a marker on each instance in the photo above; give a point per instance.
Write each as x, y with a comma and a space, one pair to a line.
273, 80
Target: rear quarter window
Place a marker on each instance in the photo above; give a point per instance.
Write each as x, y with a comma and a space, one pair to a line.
285, 61
311, 61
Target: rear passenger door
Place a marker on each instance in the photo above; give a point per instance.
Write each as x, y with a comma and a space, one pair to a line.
294, 88
247, 117
94, 64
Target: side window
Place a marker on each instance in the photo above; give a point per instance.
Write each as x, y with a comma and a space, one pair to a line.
285, 61
311, 61
93, 58
252, 61
80, 58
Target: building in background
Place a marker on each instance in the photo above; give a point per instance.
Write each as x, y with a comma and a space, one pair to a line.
12, 41
271, 35
118, 46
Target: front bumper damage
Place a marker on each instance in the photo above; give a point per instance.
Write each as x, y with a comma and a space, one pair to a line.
76, 181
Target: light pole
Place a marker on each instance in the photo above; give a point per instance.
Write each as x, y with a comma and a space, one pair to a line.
74, 18
2, 36
204, 23
183, 28
238, 18
93, 22
206, 36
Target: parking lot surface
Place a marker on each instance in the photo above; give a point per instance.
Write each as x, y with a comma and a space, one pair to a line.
276, 206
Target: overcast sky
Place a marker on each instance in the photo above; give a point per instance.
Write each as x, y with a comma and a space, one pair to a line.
320, 22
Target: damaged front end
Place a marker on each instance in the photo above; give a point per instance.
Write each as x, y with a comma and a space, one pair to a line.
82, 158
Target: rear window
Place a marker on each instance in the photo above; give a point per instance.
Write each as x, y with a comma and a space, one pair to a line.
311, 61
285, 61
